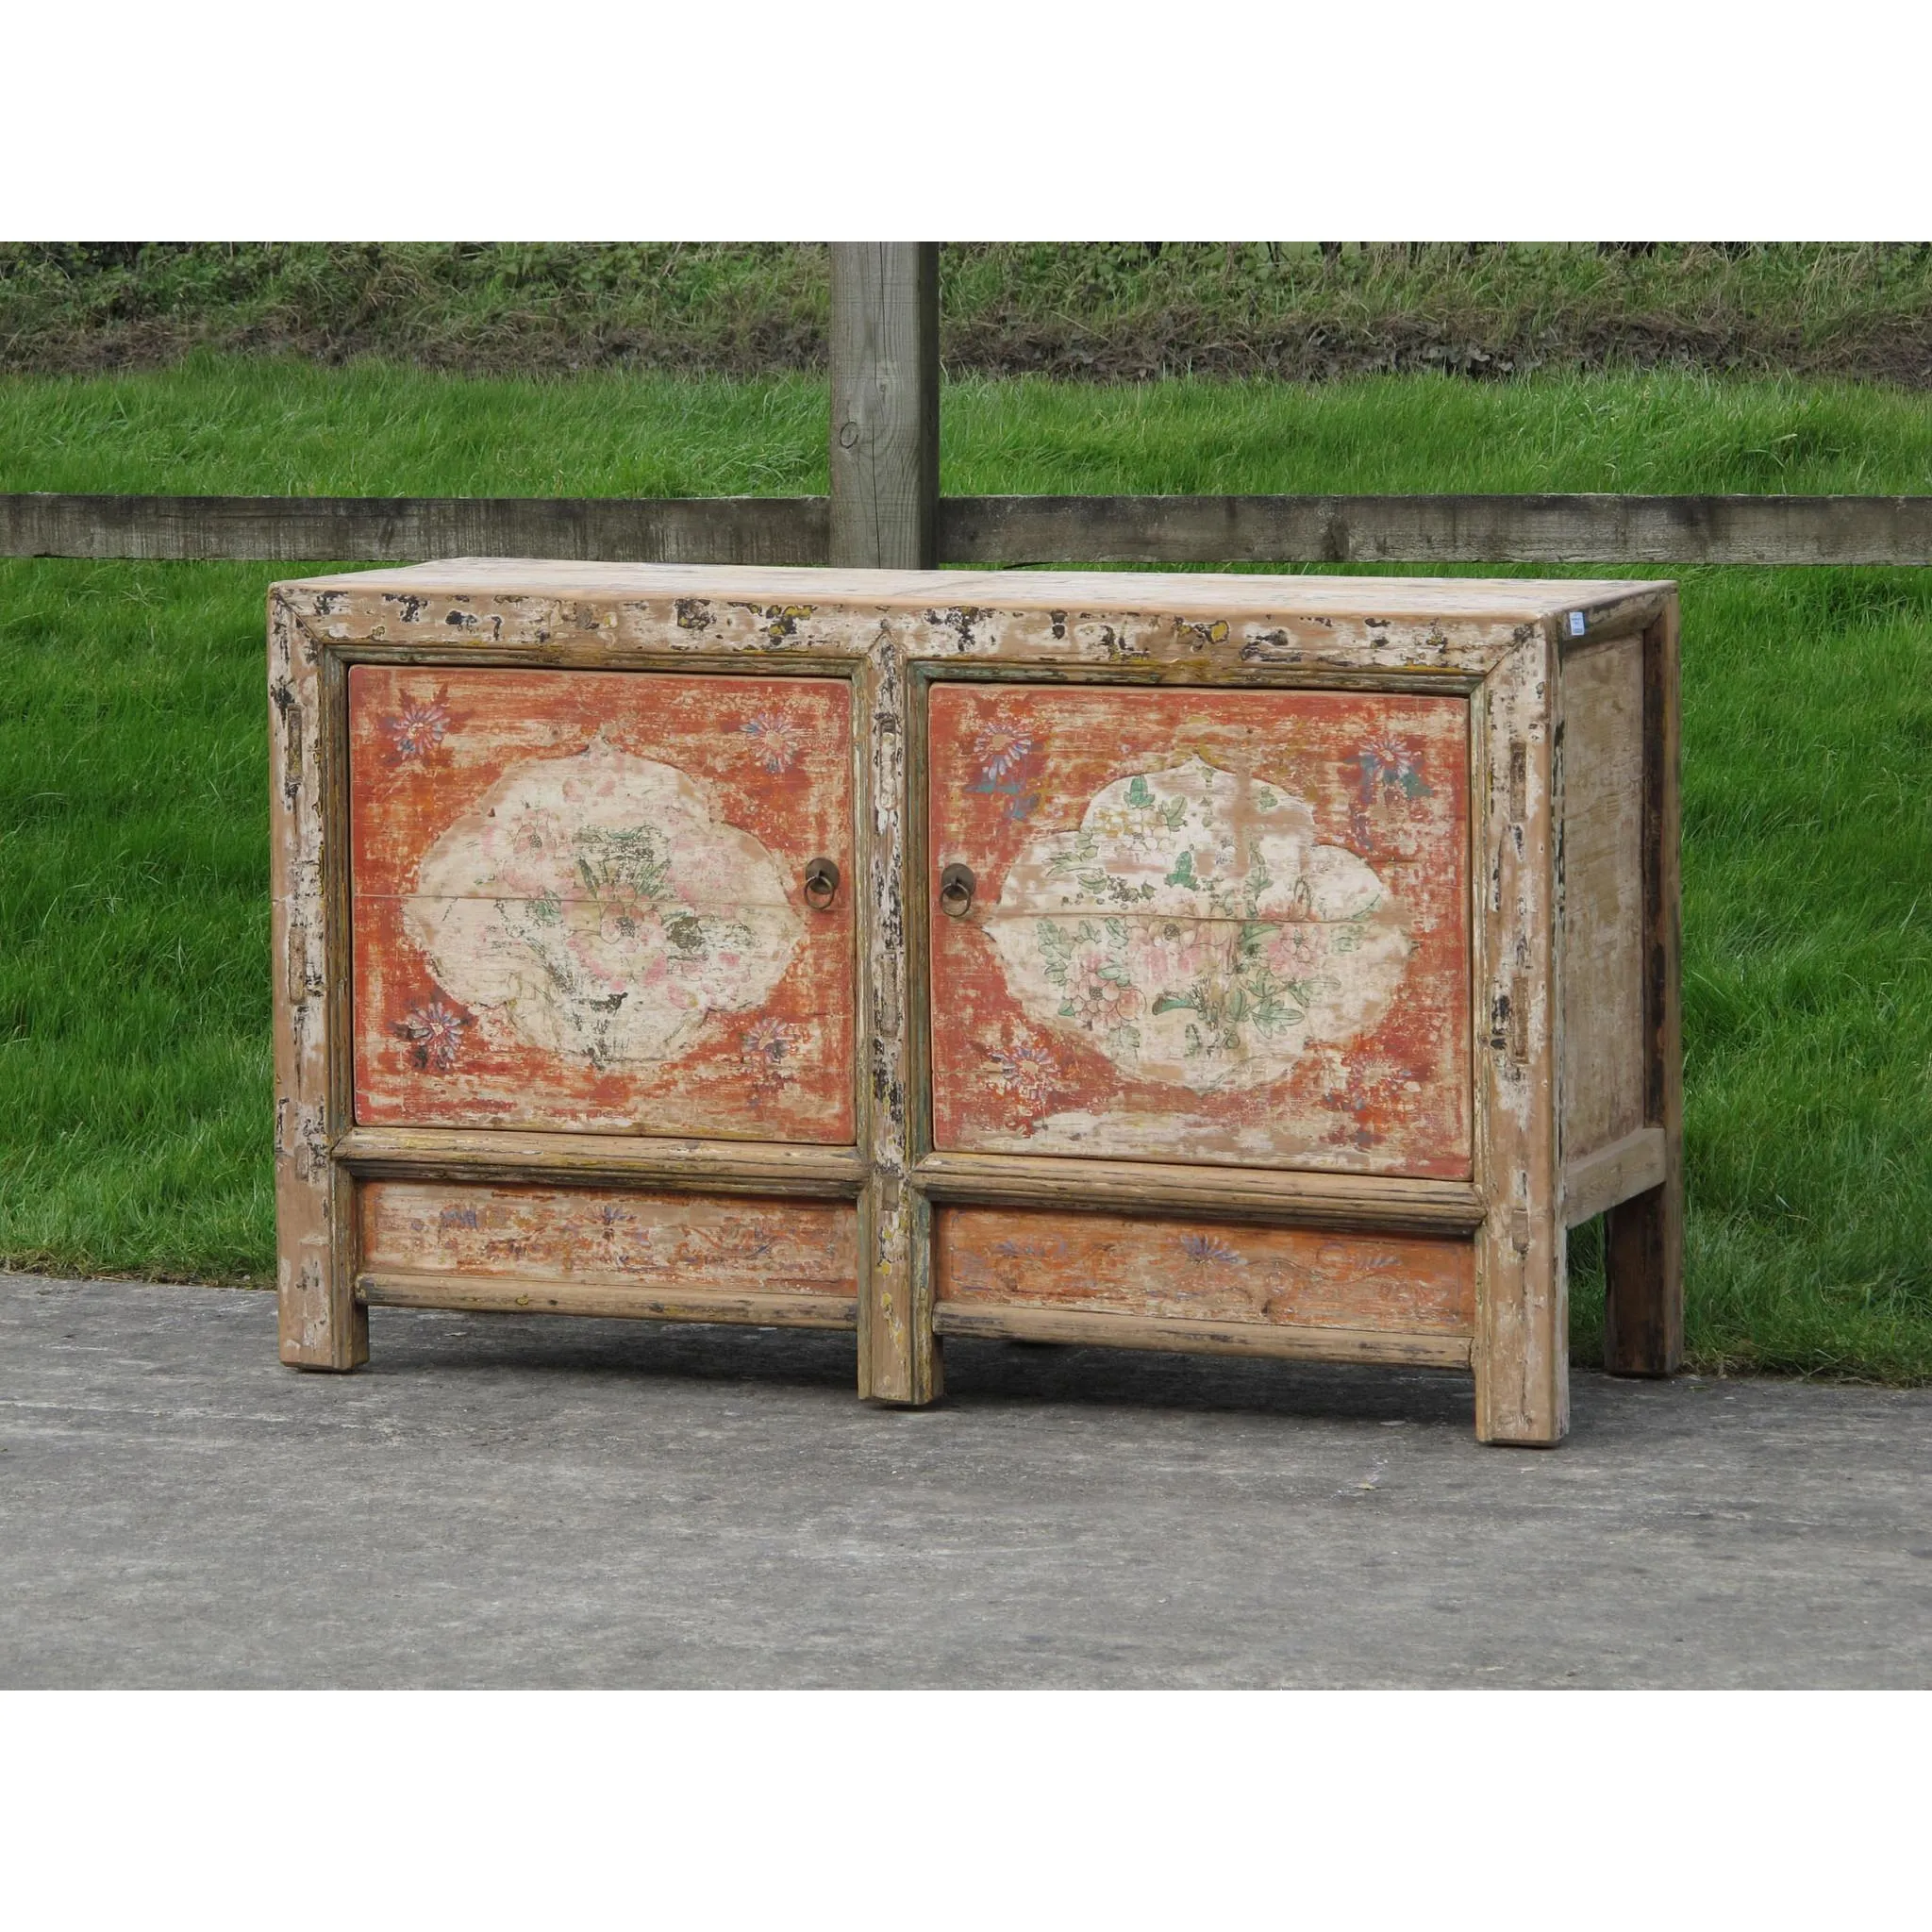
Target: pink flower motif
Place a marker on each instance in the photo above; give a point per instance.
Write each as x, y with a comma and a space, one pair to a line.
419, 729
1101, 999
1027, 1070
435, 1032
778, 739
1390, 767
766, 1045
1000, 746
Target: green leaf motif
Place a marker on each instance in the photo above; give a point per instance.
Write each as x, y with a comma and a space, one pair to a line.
1139, 797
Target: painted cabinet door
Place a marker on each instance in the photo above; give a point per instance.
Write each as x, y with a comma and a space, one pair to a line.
1206, 926
578, 901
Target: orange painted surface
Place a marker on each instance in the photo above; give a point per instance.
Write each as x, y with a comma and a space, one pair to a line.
665, 1242
578, 902
1208, 1272
1219, 926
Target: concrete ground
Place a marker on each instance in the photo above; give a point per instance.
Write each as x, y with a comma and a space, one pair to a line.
526, 1502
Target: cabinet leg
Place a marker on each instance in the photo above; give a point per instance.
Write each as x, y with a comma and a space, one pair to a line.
322, 1324
898, 1353
1522, 1358
1643, 1268
1643, 1239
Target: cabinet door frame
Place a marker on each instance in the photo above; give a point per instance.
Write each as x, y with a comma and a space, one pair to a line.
321, 1153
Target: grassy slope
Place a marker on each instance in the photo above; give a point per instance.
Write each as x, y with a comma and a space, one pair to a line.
133, 932
1103, 310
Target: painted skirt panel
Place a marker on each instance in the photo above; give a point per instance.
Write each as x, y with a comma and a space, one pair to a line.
1204, 1271
668, 1243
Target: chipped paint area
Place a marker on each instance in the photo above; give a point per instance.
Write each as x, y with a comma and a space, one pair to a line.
1204, 1271
1208, 926
577, 901
602, 1236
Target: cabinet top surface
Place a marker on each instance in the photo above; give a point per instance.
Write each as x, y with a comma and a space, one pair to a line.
1513, 600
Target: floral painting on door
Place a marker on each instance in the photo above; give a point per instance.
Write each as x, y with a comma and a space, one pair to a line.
578, 902
1226, 922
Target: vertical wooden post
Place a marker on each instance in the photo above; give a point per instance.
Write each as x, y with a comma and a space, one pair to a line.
1521, 1356
1643, 1239
885, 479
885, 446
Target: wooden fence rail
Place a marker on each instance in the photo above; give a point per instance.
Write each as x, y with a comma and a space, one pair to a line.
989, 530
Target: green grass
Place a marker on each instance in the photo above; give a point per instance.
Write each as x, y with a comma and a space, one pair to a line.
134, 1060
1089, 310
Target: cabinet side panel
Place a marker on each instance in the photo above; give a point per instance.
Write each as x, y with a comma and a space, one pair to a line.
1602, 897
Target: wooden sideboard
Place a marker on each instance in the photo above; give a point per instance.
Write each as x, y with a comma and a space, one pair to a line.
1262, 965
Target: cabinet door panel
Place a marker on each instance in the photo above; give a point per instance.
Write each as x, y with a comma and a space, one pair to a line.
578, 901
1219, 926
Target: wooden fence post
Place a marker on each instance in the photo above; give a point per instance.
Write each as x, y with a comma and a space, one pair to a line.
885, 445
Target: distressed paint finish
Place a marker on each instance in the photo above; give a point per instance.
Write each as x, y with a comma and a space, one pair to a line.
1523, 1337
578, 901
610, 1237
899, 1361
321, 1326
1213, 926
1204, 1271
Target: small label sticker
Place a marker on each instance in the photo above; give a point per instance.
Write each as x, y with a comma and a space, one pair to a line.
1576, 623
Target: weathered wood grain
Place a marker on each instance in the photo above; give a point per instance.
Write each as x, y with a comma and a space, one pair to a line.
1208, 927
1203, 1271
1522, 1347
732, 1167
473, 1295
1585, 528
1435, 623
1232, 1193
885, 418
1643, 1321
1081, 1329
321, 1326
1601, 746
623, 1243
899, 1357
1611, 1175
377, 529
987, 530
578, 901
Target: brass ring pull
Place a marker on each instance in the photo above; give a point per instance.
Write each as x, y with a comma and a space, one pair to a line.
956, 891
821, 884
